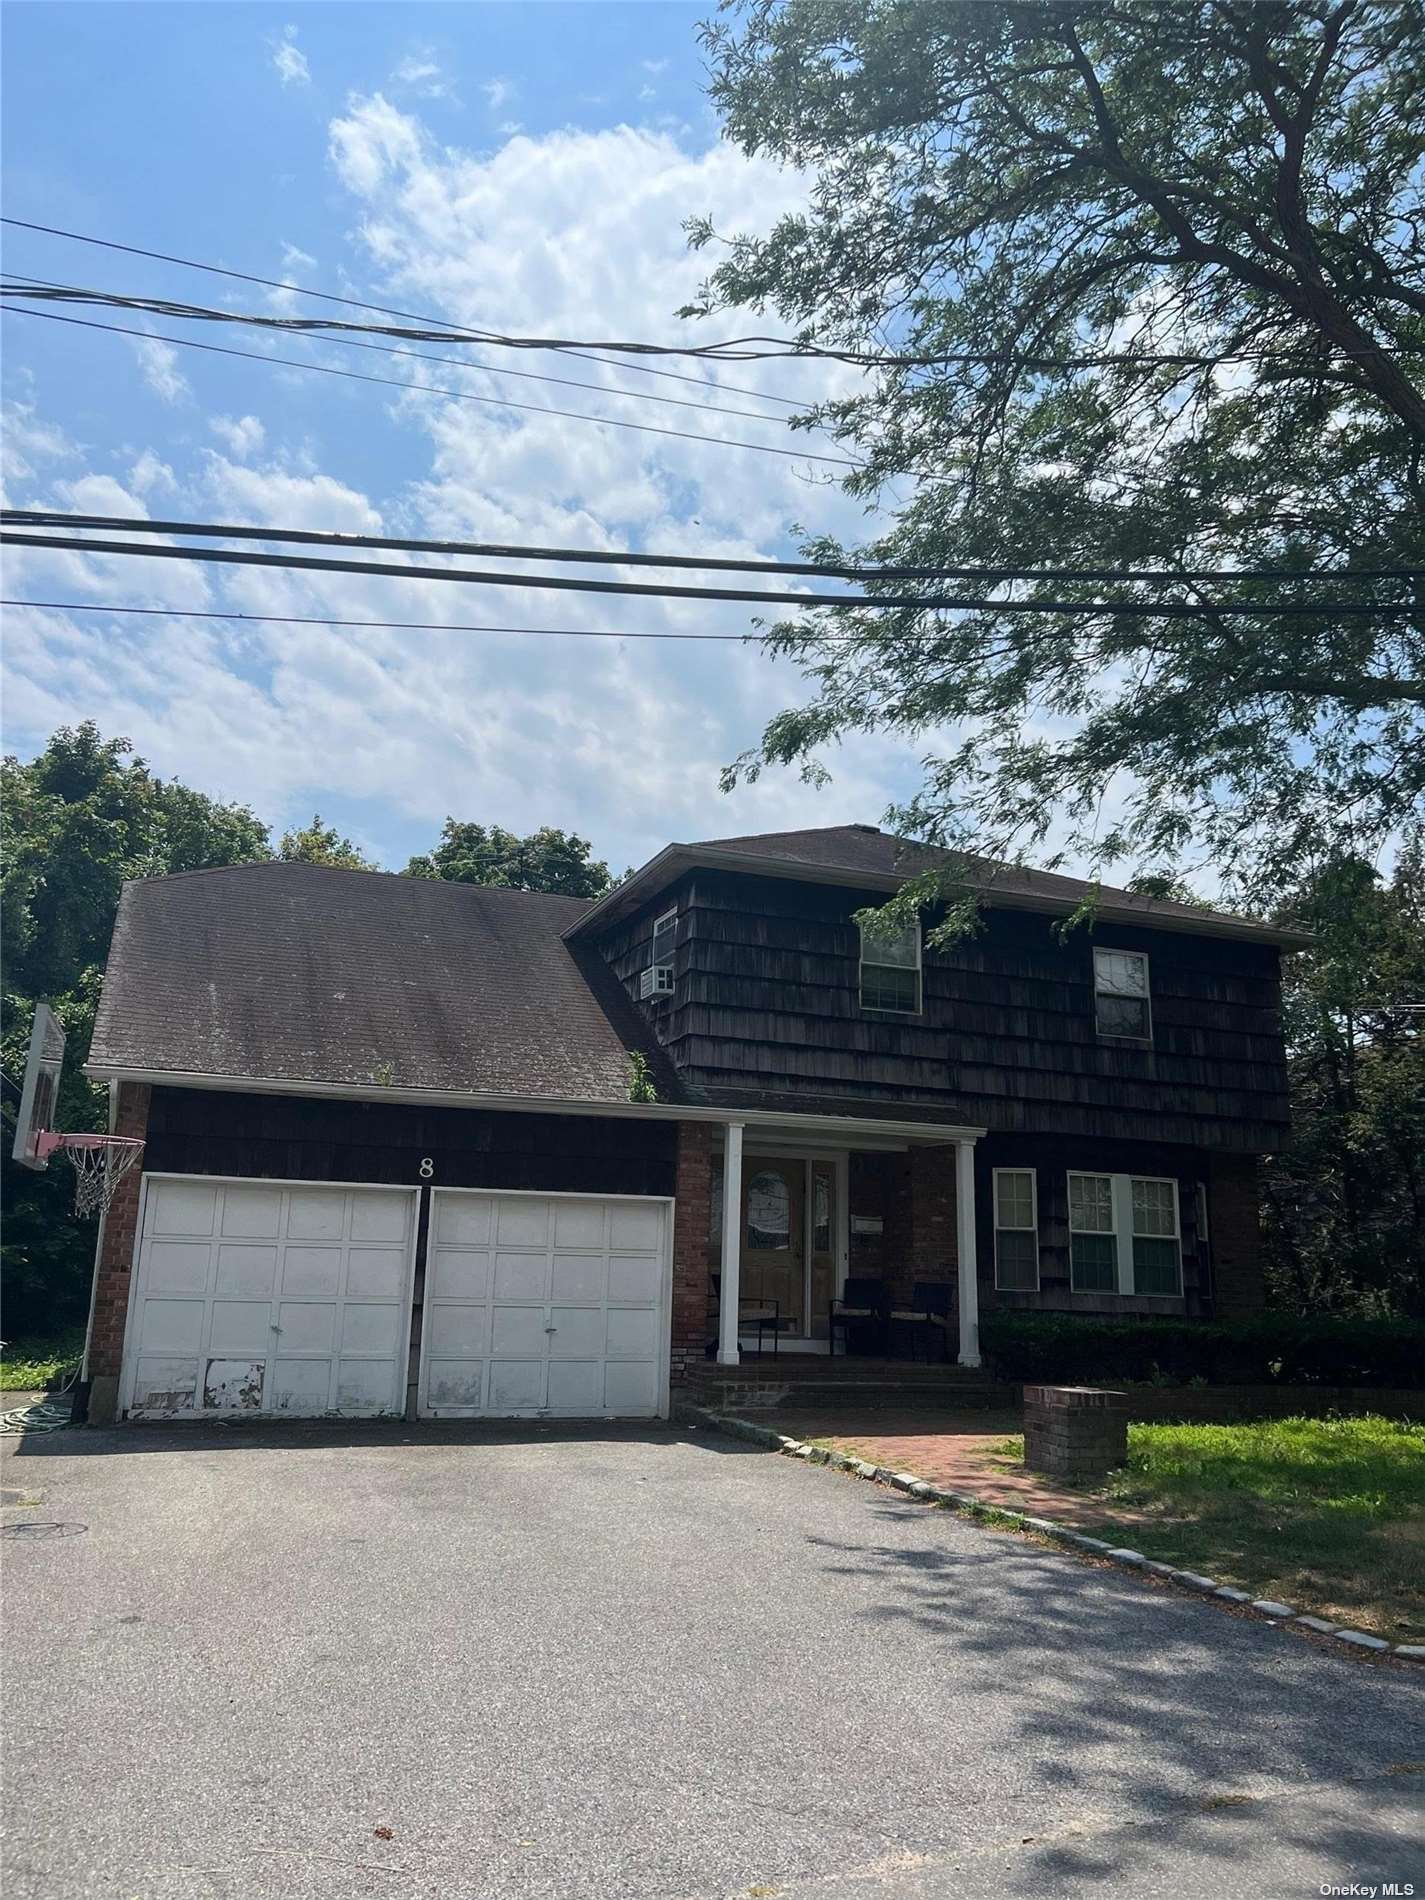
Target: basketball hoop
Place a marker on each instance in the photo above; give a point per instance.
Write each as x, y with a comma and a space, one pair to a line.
100, 1162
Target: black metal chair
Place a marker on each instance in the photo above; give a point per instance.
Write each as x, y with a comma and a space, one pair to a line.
930, 1314
753, 1314
864, 1301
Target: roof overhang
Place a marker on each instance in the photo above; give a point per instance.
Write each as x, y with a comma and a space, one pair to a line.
853, 1130
674, 859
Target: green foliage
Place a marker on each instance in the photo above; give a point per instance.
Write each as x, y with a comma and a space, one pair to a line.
1344, 1205
640, 1081
323, 844
547, 860
78, 820
1079, 180
1272, 1349
30, 1365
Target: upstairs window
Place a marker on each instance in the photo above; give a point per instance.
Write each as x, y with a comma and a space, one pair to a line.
1124, 1234
1016, 1231
1120, 984
890, 968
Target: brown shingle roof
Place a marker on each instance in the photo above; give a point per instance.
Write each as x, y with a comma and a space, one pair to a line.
307, 973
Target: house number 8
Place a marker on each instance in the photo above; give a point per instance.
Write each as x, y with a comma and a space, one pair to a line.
427, 1168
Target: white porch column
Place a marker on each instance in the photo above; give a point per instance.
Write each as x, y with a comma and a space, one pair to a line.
967, 1271
727, 1348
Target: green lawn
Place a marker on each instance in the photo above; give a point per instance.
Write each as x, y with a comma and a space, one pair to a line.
28, 1365
1325, 1514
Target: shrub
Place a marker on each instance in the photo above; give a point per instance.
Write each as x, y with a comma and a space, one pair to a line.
1270, 1349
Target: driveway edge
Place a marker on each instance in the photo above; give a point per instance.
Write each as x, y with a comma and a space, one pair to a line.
1279, 1615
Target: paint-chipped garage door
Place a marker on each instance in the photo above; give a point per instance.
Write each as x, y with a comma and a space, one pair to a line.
545, 1306
269, 1296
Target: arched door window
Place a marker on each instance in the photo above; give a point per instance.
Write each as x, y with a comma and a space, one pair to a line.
769, 1212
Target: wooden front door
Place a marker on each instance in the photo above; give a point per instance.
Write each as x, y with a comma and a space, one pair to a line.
773, 1254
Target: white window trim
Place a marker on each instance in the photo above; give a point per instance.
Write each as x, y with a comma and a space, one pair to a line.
1032, 1228
1121, 1191
879, 1009
1107, 1035
654, 960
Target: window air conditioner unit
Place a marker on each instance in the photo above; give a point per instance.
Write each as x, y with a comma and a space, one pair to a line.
657, 981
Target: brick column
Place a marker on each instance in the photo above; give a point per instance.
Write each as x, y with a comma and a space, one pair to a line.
1235, 1236
691, 1225
1074, 1431
114, 1265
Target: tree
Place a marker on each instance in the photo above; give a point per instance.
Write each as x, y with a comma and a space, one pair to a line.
1345, 1204
1141, 288
547, 860
323, 844
77, 821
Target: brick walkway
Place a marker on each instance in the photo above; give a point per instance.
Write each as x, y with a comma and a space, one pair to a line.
953, 1449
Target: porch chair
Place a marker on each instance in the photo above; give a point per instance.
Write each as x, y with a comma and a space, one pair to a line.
931, 1316
753, 1314
865, 1301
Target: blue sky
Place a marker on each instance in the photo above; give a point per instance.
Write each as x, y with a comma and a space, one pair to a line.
521, 166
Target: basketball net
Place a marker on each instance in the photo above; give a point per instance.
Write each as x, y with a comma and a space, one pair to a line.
100, 1162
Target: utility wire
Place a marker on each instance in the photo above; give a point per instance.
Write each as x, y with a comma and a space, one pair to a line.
743, 349
1161, 610
431, 389
142, 524
384, 310
37, 286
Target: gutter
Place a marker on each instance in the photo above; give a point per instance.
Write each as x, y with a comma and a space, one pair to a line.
674, 859
848, 1125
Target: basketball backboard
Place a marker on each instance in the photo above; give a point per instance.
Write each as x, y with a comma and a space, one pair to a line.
40, 1090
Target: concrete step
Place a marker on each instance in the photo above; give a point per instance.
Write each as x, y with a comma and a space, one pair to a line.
769, 1394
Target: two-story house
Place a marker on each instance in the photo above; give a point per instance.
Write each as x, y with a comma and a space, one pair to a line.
458, 1151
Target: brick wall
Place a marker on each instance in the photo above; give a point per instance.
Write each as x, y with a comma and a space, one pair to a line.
691, 1215
1235, 1230
116, 1246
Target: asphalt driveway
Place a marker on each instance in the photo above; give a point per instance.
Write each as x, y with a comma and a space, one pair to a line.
623, 1662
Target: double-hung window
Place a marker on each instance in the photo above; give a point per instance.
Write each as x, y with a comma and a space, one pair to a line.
658, 978
1016, 1231
890, 968
1120, 995
1125, 1235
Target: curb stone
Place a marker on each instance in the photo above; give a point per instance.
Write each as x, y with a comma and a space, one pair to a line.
1123, 1557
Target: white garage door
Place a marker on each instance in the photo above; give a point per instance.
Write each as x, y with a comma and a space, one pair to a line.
549, 1306
270, 1296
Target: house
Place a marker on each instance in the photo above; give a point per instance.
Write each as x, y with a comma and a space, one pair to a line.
464, 1151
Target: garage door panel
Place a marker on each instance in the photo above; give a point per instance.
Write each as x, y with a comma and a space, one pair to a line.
460, 1332
182, 1207
375, 1273
460, 1274
254, 1297
521, 1276
172, 1326
370, 1329
241, 1326
307, 1326
315, 1214
247, 1272
251, 1213
632, 1278
516, 1385
312, 1270
178, 1266
555, 1317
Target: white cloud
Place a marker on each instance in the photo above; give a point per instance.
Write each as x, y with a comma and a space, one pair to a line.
148, 473
289, 60
159, 363
648, 92
27, 442
498, 92
654, 66
421, 72
242, 437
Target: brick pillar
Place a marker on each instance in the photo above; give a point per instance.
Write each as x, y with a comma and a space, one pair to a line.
1235, 1236
932, 1213
1074, 1431
691, 1222
114, 1265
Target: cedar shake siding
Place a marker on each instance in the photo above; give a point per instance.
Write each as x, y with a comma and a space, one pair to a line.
766, 1011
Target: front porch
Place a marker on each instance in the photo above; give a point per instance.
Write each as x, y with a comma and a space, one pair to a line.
806, 1384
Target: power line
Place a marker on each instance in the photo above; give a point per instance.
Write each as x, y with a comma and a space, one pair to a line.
356, 303
431, 389
140, 524
738, 349
1162, 610
39, 286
